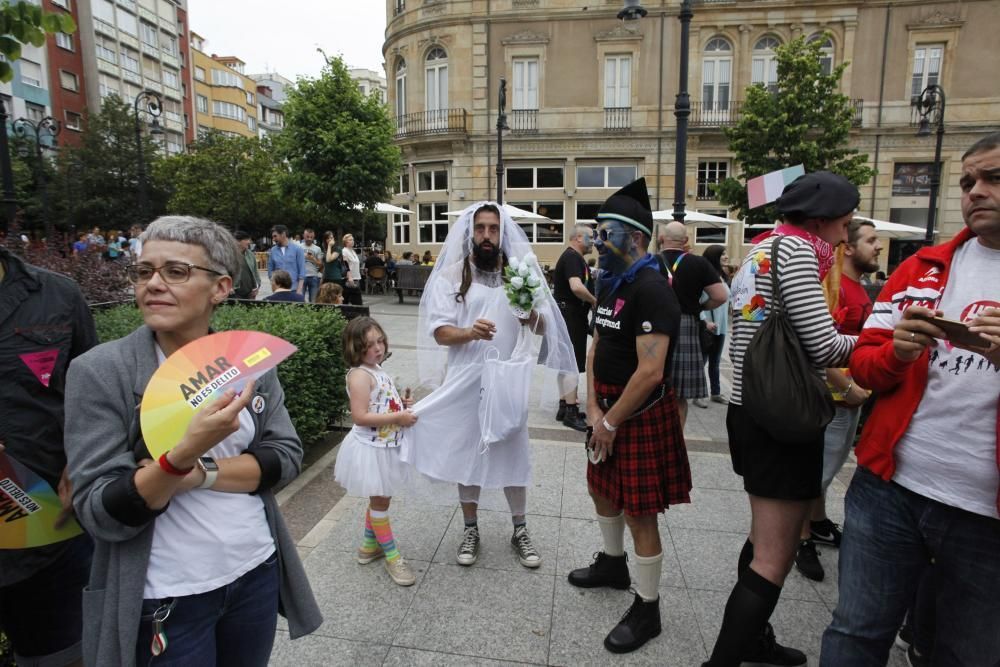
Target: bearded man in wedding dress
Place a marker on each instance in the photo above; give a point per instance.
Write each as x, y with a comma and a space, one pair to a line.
465, 315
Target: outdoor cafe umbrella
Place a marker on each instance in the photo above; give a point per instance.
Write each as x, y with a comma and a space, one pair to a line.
701, 219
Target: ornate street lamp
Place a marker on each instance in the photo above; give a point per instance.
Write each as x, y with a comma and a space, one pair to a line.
153, 107
28, 129
930, 105
501, 128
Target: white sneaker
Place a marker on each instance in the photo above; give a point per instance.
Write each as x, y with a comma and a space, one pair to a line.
701, 402
526, 553
719, 398
400, 572
468, 550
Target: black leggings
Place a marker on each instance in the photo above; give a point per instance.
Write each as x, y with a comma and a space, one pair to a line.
352, 295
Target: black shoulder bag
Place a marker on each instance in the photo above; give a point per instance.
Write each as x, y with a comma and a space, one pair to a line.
780, 388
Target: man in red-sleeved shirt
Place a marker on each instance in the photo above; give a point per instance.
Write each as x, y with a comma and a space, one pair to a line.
928, 481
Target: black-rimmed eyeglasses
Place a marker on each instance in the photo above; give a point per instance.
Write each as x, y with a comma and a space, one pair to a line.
171, 273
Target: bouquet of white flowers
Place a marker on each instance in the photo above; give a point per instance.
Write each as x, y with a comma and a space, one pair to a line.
524, 285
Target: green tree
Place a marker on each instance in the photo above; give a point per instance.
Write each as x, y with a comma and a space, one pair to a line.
97, 183
805, 121
25, 23
338, 144
232, 180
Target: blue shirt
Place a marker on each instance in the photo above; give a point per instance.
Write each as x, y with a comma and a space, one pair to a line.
293, 260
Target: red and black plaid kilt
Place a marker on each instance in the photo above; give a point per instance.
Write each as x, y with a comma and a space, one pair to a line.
648, 471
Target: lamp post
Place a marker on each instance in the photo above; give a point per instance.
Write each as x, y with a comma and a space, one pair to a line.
633, 11
930, 105
501, 128
153, 106
6, 172
28, 129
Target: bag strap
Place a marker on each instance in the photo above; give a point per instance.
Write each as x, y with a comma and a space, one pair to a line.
669, 271
778, 304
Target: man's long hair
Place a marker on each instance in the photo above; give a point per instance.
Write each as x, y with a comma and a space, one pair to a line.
463, 288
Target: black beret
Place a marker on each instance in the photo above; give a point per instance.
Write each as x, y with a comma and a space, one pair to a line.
820, 194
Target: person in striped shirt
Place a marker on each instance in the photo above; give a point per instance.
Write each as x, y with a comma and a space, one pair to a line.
782, 479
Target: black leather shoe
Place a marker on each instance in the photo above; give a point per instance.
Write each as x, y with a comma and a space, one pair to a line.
767, 651
573, 419
561, 412
611, 571
639, 624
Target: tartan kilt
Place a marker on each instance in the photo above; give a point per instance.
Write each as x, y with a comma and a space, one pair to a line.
687, 364
648, 471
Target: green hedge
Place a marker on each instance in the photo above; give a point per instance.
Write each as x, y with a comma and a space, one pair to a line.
313, 377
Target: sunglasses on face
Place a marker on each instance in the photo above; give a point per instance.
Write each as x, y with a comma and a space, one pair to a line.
604, 234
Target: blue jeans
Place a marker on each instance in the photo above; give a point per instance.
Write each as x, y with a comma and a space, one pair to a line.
310, 287
890, 537
231, 626
837, 441
713, 358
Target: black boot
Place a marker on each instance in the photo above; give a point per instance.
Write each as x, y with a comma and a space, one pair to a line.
767, 651
606, 570
639, 624
573, 419
561, 412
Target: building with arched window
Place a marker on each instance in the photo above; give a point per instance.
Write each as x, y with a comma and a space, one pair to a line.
590, 102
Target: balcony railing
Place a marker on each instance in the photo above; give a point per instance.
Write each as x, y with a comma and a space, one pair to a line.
859, 112
715, 114
438, 121
523, 121
617, 119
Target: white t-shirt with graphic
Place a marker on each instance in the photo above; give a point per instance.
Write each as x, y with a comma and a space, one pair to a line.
949, 452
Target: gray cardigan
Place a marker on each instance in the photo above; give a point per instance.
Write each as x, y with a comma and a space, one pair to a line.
104, 389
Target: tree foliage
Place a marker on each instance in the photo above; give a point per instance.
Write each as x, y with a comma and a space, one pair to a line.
25, 23
806, 121
232, 180
339, 146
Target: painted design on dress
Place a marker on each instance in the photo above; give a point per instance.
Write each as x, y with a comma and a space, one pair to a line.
760, 265
754, 311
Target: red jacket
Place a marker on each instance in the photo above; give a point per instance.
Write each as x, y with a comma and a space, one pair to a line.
919, 281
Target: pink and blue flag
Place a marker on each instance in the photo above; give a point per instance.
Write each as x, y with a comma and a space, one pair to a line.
765, 189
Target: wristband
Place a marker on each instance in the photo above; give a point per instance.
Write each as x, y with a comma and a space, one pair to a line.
170, 469
608, 426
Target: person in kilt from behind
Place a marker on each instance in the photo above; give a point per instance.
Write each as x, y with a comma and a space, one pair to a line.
638, 463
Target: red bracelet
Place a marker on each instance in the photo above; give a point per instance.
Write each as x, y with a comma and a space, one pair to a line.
170, 469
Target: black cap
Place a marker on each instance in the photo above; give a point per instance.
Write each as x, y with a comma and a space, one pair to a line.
820, 194
630, 205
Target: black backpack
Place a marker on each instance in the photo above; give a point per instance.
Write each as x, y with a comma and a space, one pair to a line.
780, 388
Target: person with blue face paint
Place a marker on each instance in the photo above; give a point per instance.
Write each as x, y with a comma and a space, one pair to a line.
638, 463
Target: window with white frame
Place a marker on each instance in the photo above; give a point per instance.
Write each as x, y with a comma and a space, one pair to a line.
586, 211
104, 10
149, 34
534, 177
202, 103
64, 41
34, 112
926, 67
130, 61
250, 98
61, 3
170, 78
199, 73
543, 231
710, 174
400, 229
716, 74
252, 123
436, 84
400, 87
432, 223
74, 121
764, 65
431, 180
107, 85
617, 81
105, 50
221, 77
826, 52
168, 44
31, 73
228, 110
150, 68
69, 80
525, 79
604, 176
127, 23
403, 183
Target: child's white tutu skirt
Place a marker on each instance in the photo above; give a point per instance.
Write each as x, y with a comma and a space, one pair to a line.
366, 470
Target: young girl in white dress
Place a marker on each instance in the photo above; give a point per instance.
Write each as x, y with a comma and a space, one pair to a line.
368, 463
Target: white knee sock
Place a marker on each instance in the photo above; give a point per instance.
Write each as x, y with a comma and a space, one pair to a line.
613, 532
648, 570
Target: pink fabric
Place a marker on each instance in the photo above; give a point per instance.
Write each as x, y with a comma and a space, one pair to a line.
824, 251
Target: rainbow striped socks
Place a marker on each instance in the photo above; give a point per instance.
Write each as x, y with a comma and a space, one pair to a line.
379, 522
369, 543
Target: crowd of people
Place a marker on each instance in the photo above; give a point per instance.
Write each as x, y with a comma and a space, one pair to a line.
157, 574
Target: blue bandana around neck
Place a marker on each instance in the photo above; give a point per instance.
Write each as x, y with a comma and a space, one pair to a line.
612, 281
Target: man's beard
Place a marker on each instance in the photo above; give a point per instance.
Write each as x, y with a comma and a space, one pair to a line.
866, 267
485, 260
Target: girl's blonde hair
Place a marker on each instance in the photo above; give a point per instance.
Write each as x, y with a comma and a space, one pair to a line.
355, 344
329, 293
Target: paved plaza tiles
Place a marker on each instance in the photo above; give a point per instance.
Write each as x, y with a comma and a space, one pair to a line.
499, 613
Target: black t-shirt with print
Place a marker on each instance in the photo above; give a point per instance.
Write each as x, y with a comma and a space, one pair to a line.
571, 264
692, 276
646, 305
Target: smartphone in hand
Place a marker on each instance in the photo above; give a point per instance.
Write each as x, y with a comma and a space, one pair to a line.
958, 332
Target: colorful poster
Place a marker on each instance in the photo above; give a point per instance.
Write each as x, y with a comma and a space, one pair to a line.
198, 372
29, 509
765, 189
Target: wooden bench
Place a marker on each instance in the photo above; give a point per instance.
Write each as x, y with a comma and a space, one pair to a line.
411, 278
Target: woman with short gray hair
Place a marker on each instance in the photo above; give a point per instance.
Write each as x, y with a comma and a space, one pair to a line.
192, 558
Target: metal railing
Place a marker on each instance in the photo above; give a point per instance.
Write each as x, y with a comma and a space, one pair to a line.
437, 121
859, 110
523, 121
618, 119
714, 114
